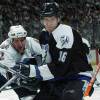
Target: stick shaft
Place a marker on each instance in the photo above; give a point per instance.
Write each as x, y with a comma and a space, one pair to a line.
90, 85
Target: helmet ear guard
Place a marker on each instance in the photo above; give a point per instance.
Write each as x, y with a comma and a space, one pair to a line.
17, 32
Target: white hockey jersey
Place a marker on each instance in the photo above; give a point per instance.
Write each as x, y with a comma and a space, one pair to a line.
11, 56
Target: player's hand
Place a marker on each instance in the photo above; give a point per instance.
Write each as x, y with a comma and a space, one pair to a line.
23, 69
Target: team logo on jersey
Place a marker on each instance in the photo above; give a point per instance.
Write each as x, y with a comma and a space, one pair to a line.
45, 47
64, 39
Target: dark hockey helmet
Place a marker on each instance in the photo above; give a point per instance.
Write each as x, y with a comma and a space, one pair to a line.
50, 9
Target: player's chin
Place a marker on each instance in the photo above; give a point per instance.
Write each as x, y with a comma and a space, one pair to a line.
21, 51
49, 29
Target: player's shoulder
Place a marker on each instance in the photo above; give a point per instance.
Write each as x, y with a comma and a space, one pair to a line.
63, 29
64, 36
65, 26
32, 39
5, 44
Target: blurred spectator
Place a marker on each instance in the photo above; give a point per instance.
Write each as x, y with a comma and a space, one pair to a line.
82, 15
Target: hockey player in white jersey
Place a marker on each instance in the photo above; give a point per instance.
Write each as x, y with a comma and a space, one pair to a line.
14, 49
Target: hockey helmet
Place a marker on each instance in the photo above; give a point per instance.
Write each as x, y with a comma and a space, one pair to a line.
49, 9
17, 32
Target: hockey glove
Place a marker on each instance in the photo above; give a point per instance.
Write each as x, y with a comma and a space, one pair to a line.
23, 69
28, 61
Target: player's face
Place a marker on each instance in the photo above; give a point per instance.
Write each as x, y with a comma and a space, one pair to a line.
19, 44
50, 23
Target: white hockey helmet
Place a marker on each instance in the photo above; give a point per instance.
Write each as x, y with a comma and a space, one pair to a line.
17, 31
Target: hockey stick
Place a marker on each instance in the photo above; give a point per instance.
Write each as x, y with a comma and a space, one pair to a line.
90, 85
16, 75
14, 79
13, 71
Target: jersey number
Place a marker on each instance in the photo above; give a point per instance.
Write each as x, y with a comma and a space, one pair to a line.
62, 56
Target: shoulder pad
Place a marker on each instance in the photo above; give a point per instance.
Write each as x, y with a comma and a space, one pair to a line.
64, 36
5, 44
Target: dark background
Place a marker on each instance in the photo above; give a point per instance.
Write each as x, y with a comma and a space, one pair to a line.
83, 15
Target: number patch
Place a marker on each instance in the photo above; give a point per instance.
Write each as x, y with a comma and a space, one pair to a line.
62, 56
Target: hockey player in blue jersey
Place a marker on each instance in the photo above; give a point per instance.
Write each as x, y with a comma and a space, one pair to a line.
65, 62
